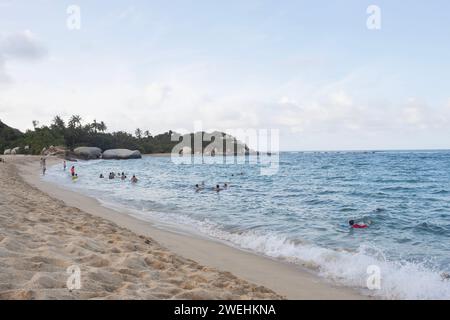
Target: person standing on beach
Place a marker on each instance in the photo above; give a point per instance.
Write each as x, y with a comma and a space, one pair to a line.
72, 171
64, 165
44, 166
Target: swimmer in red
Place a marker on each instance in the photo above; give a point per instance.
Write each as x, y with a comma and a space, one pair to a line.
359, 225
72, 171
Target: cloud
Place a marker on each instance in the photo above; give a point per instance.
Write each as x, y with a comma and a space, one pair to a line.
311, 114
22, 45
414, 114
19, 46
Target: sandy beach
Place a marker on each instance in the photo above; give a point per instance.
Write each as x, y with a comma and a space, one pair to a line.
44, 229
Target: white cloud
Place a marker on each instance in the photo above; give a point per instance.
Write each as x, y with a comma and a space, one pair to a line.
19, 46
413, 114
174, 96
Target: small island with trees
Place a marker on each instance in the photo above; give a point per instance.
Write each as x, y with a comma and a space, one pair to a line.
61, 137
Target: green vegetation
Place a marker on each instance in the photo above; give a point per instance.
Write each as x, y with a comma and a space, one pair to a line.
9, 137
76, 133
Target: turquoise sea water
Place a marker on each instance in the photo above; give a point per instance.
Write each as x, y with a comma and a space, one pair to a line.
301, 213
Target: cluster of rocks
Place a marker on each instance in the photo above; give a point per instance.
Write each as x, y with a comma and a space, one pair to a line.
16, 150
84, 153
91, 153
54, 151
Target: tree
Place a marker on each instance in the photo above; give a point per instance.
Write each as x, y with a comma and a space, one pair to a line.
58, 123
102, 127
75, 122
95, 125
77, 134
138, 133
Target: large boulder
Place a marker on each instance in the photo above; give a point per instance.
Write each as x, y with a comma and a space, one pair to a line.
7, 151
88, 153
16, 150
121, 154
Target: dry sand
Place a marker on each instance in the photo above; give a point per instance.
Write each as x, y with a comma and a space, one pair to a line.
44, 229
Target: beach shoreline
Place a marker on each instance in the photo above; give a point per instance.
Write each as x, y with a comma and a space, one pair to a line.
288, 280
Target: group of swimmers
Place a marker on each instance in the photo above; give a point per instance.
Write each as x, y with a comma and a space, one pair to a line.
122, 176
198, 187
72, 172
217, 188
112, 175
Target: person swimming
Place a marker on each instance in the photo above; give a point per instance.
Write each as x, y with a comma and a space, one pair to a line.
101, 176
199, 187
359, 225
134, 179
111, 175
217, 188
225, 185
72, 171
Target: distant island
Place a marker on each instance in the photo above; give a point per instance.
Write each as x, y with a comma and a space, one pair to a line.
62, 137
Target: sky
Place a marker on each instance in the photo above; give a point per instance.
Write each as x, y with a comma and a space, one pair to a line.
311, 69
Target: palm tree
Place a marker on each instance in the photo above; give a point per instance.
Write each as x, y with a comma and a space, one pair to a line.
95, 125
147, 134
138, 133
75, 121
102, 127
58, 123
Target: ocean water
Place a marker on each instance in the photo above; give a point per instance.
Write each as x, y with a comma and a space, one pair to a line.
301, 213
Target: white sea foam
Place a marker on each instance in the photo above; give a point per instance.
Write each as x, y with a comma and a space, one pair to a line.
399, 279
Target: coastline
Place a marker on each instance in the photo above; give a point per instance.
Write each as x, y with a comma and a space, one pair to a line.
288, 280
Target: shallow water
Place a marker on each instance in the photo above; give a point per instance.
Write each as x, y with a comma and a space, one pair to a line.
301, 213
